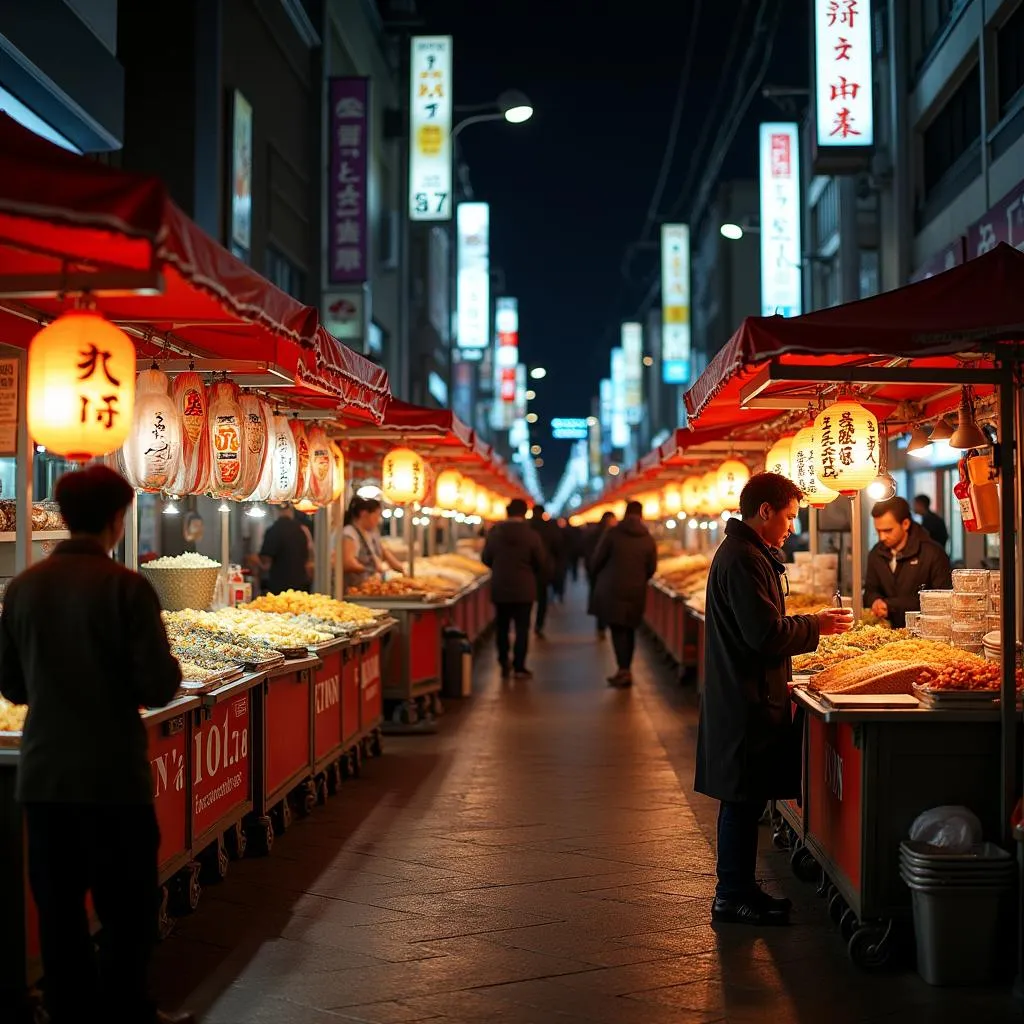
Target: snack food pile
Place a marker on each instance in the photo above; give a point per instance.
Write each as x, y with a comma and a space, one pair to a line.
12, 716
320, 606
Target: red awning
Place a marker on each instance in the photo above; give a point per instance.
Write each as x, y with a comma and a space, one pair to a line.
70, 223
934, 322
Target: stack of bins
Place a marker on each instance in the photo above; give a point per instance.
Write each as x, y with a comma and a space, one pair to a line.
959, 910
935, 622
970, 609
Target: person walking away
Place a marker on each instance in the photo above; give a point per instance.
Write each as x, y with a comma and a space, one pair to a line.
933, 524
573, 550
362, 550
551, 539
748, 747
82, 643
903, 562
626, 558
561, 569
286, 555
591, 540
517, 560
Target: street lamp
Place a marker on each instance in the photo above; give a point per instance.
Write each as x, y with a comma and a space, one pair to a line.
538, 373
511, 106
734, 232
531, 395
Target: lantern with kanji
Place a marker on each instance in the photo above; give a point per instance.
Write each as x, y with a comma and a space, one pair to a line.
467, 497
301, 457
256, 418
446, 490
403, 477
81, 386
190, 398
152, 451
692, 494
711, 504
672, 500
337, 472
731, 478
848, 452
285, 462
778, 458
321, 472
227, 441
804, 461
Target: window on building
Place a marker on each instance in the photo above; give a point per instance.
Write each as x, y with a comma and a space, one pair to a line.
953, 132
1010, 60
282, 272
869, 273
928, 20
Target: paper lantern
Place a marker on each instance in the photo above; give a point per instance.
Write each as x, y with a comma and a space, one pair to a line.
804, 461
499, 509
848, 451
467, 497
152, 452
403, 478
692, 494
301, 458
256, 418
483, 502
307, 505
446, 490
651, 505
227, 441
81, 386
778, 458
285, 462
672, 499
338, 472
731, 478
710, 504
321, 470
190, 398
618, 510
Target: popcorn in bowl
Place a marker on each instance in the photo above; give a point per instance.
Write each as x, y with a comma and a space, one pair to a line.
188, 560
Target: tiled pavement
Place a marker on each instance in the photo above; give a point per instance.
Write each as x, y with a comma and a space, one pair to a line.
541, 859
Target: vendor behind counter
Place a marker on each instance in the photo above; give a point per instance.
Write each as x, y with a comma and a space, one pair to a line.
903, 562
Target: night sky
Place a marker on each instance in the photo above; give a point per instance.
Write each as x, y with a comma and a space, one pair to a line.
570, 189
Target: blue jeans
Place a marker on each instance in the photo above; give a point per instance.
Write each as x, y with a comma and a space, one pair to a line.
737, 848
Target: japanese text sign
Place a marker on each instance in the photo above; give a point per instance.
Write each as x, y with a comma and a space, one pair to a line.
474, 281
620, 423
430, 128
506, 357
632, 342
347, 227
781, 259
675, 303
1003, 223
843, 86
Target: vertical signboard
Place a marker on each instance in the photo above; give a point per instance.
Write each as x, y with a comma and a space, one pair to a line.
606, 405
506, 358
430, 128
473, 316
620, 424
844, 103
632, 341
781, 266
241, 176
675, 303
522, 387
348, 186
595, 450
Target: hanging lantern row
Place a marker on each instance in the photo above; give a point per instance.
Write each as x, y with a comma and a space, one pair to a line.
405, 479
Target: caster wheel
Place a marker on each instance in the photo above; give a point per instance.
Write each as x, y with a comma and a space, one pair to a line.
184, 890
236, 841
364, 748
405, 713
355, 758
321, 789
260, 834
333, 778
780, 838
215, 862
848, 924
281, 816
434, 705
804, 866
376, 744
825, 887
305, 798
869, 947
836, 908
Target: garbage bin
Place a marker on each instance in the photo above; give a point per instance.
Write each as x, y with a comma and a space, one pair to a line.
457, 664
959, 905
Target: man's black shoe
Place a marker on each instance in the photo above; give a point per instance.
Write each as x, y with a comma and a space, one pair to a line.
506, 671
769, 902
755, 912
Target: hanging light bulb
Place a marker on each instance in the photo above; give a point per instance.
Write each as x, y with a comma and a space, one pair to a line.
256, 512
171, 508
306, 506
919, 443
942, 431
967, 434
224, 507
882, 487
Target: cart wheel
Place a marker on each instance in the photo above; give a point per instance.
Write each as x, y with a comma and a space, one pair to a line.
804, 866
869, 947
214, 861
825, 887
848, 924
305, 798
321, 789
434, 705
165, 923
333, 778
405, 713
355, 756
281, 816
836, 908
260, 835
184, 890
364, 749
780, 837
377, 744
236, 841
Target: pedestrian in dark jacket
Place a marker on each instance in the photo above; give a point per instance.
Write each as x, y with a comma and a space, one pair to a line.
551, 538
515, 555
625, 559
82, 643
934, 525
903, 562
591, 540
748, 749
573, 549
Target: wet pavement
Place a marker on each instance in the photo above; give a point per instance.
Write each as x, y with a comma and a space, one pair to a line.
541, 859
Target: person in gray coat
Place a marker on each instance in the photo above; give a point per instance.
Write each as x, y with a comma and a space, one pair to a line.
625, 559
516, 557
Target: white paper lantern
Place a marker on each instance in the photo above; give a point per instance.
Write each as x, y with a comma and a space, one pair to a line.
256, 416
711, 504
337, 472
692, 493
192, 402
848, 447
404, 478
778, 460
732, 477
301, 458
467, 497
804, 460
285, 462
227, 442
321, 467
152, 452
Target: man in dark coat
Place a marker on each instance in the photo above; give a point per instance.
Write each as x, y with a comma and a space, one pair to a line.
625, 559
934, 525
748, 751
551, 538
903, 562
591, 539
515, 555
82, 643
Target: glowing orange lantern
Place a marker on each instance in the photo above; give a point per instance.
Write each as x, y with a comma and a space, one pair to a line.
467, 497
446, 490
692, 494
651, 505
710, 504
499, 509
847, 437
227, 441
731, 478
778, 460
338, 475
81, 386
805, 469
672, 499
301, 457
404, 477
483, 502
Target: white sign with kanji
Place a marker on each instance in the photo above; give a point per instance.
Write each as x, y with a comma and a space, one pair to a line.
844, 97
675, 303
632, 341
473, 318
430, 128
781, 258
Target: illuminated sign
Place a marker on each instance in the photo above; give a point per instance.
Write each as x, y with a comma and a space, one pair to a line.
632, 341
473, 319
563, 429
844, 102
506, 358
620, 424
781, 259
430, 128
675, 303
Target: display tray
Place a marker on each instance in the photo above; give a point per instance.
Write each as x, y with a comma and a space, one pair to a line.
10, 739
960, 699
293, 653
413, 597
194, 687
870, 700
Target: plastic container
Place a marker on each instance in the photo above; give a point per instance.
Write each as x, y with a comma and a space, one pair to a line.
936, 602
913, 622
994, 581
935, 627
968, 633
970, 581
994, 622
973, 604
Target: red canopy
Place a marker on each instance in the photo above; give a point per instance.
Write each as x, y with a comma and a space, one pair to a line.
68, 223
968, 309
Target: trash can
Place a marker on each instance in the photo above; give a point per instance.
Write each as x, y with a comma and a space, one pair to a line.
959, 905
457, 663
